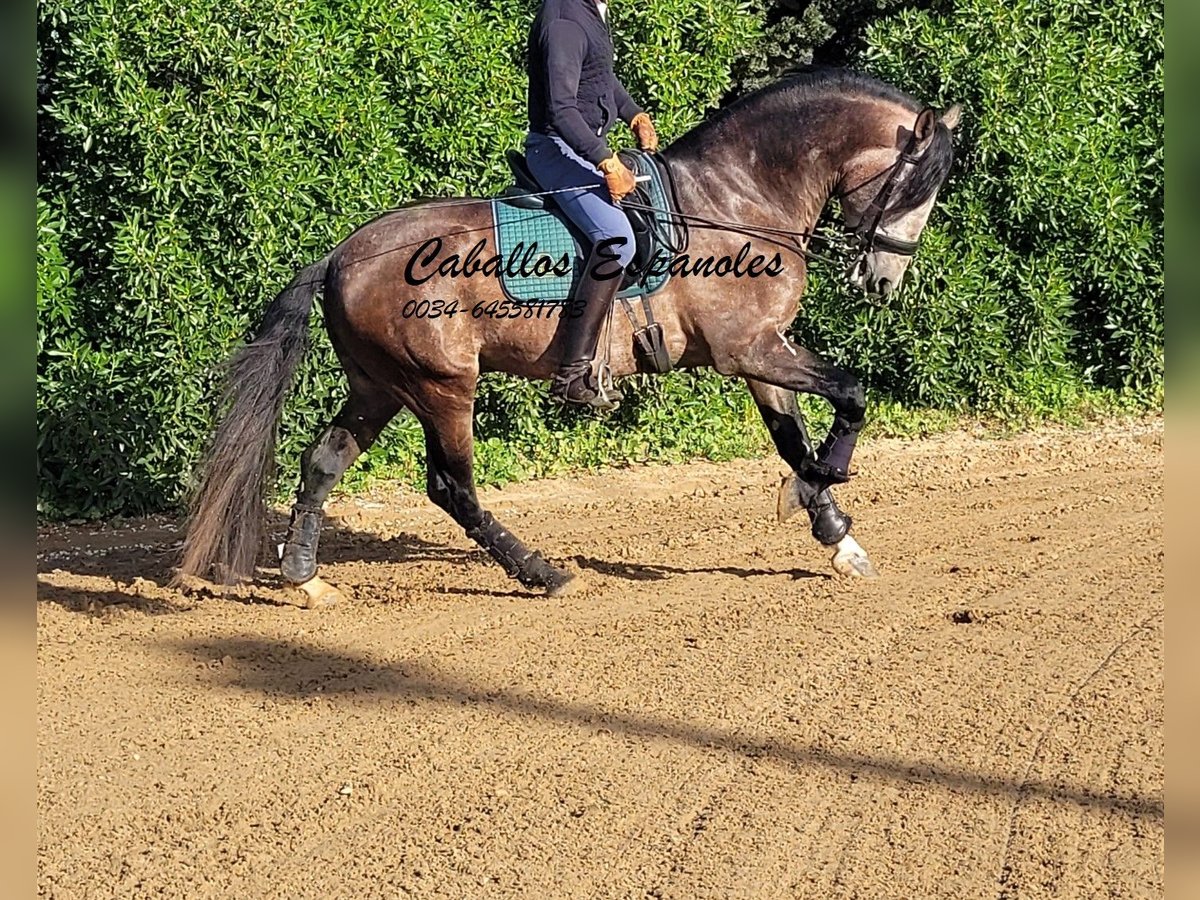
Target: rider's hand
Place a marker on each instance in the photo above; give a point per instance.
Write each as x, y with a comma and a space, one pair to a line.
618, 178
644, 129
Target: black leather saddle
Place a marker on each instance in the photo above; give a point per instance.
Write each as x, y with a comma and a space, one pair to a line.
523, 192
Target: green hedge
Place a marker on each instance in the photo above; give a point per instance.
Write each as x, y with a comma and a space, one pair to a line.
1042, 271
803, 32
192, 155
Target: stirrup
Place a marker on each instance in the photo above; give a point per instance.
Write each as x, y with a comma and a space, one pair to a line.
575, 384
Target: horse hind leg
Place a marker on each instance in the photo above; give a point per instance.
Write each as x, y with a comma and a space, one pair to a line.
450, 484
322, 466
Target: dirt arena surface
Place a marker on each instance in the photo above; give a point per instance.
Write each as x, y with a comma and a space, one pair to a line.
710, 714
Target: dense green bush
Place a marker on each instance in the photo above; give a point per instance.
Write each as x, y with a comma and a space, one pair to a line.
1042, 271
193, 154
802, 32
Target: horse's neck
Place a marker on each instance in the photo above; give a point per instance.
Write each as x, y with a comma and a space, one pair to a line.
758, 182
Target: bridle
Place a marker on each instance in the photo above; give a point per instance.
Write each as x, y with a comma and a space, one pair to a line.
870, 239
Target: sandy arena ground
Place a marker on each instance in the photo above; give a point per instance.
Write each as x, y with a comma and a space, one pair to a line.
711, 714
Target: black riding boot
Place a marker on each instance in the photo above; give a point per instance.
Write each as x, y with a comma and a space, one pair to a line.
575, 382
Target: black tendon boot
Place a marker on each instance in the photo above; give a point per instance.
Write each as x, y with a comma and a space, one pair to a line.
299, 561
832, 464
575, 382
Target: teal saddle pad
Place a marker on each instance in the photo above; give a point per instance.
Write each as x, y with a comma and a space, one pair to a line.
518, 228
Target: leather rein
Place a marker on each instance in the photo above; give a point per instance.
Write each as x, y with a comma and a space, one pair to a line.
865, 239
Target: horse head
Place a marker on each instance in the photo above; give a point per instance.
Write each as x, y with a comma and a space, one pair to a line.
887, 191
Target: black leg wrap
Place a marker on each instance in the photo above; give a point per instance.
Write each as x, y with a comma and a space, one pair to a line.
299, 562
829, 524
832, 464
525, 565
818, 472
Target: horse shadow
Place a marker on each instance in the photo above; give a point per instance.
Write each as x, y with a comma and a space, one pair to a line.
661, 572
291, 669
142, 576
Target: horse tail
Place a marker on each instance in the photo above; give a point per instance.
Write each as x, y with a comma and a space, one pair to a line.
228, 508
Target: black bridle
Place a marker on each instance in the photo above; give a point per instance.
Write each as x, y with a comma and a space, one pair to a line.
870, 239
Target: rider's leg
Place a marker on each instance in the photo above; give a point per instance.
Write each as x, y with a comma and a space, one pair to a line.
606, 227
575, 381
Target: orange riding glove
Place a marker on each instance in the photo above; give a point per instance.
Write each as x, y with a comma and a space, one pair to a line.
618, 178
644, 129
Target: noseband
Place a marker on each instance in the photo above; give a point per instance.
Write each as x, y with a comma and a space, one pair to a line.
870, 239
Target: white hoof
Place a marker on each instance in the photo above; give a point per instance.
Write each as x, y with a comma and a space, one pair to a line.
851, 560
316, 593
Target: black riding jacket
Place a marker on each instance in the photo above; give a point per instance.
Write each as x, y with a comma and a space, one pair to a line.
573, 91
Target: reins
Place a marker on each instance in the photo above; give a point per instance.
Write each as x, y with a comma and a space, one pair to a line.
797, 240
789, 239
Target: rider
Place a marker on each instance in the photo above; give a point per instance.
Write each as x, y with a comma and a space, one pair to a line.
574, 99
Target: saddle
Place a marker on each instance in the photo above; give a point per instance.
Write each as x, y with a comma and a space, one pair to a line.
523, 218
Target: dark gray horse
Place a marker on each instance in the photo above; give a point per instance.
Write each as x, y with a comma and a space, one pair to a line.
766, 165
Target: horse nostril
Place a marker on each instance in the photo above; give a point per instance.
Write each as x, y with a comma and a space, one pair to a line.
885, 286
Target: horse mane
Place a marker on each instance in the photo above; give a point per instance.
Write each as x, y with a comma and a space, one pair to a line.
807, 84
815, 82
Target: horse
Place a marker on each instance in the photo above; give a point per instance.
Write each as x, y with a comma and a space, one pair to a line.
765, 166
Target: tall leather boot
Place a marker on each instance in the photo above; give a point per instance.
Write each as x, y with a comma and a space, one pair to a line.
575, 382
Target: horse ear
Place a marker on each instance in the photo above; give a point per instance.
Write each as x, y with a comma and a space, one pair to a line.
926, 122
952, 116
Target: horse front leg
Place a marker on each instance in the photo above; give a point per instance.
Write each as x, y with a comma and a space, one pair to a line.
808, 487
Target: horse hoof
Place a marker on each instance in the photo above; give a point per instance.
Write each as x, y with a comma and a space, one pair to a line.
537, 573
852, 561
787, 504
854, 566
561, 584
316, 593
